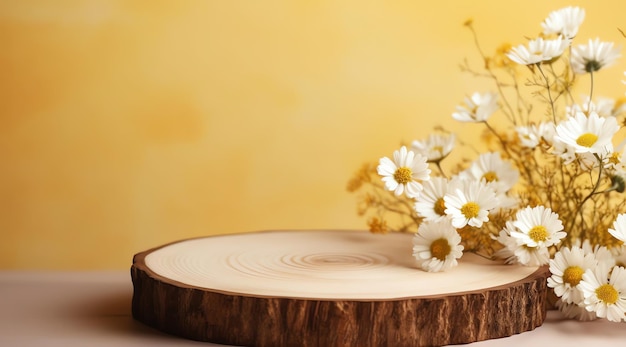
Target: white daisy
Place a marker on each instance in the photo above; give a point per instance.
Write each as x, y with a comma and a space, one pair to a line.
538, 50
404, 173
593, 56
565, 21
619, 255
492, 169
567, 268
435, 147
510, 244
619, 228
470, 204
537, 226
437, 245
430, 204
587, 134
515, 253
574, 311
532, 256
605, 292
566, 152
604, 107
589, 161
506, 201
477, 108
528, 135
532, 135
602, 254
547, 130
616, 161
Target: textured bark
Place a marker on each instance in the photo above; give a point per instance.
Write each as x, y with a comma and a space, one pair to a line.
253, 320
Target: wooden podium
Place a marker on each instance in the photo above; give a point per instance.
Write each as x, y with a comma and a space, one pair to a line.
329, 288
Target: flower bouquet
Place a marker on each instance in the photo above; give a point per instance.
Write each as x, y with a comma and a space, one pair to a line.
546, 191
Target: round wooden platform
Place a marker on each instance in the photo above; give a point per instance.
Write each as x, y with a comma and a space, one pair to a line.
329, 288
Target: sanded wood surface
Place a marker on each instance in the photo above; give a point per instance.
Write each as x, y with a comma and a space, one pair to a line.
329, 288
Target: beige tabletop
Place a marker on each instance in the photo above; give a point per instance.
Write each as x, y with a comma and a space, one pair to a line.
93, 309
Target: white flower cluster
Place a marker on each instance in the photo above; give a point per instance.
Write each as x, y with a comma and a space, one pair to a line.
447, 204
565, 23
588, 280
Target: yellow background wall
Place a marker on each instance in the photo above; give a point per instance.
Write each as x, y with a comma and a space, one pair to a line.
128, 124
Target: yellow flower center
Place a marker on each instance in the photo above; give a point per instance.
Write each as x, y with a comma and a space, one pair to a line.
538, 233
403, 175
440, 249
573, 275
438, 149
607, 294
490, 176
440, 207
614, 158
587, 139
470, 210
592, 65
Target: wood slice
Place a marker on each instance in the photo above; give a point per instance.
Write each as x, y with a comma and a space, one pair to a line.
329, 288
